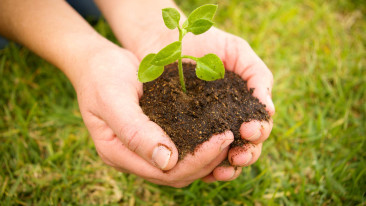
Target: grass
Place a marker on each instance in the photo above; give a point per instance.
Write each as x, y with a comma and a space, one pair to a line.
315, 155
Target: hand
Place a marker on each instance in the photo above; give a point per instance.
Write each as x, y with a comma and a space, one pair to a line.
237, 57
108, 95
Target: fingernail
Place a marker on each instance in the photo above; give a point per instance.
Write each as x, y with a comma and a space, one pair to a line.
249, 159
270, 104
232, 174
225, 144
255, 136
161, 156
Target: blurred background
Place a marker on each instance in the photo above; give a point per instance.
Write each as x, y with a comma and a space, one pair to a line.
315, 155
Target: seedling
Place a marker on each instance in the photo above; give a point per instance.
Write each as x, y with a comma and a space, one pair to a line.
208, 67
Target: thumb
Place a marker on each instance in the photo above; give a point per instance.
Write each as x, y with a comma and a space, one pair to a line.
141, 135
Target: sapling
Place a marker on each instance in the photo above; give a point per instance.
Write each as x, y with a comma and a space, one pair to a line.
208, 67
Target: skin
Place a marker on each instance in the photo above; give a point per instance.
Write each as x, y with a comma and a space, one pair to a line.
105, 79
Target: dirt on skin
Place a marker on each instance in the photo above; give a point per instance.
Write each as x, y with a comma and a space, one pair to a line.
207, 108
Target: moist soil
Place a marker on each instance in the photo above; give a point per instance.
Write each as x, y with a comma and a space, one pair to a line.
206, 109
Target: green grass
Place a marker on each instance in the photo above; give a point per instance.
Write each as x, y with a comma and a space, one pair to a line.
315, 155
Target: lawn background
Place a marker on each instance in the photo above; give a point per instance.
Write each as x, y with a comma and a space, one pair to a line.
314, 156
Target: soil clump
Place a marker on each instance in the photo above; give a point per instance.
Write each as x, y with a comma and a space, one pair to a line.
207, 108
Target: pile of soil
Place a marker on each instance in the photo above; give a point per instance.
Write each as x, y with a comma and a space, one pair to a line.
207, 108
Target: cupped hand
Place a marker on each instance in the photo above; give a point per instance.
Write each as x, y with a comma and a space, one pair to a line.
108, 94
238, 57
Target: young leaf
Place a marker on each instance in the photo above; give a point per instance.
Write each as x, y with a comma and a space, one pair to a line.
184, 32
200, 26
171, 17
147, 71
168, 54
210, 67
203, 12
185, 24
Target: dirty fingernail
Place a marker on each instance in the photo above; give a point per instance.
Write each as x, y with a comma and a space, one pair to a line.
255, 136
225, 144
161, 156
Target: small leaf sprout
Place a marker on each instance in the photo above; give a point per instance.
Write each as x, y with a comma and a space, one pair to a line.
208, 67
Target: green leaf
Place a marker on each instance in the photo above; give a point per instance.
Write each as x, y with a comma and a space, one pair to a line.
168, 54
185, 24
200, 26
171, 17
184, 32
210, 67
147, 71
203, 12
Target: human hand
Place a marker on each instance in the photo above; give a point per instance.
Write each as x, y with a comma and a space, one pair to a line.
108, 94
150, 35
237, 57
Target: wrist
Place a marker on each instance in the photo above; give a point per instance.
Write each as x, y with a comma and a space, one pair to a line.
78, 54
99, 63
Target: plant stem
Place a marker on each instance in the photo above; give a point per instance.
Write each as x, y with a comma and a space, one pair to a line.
190, 57
180, 64
181, 76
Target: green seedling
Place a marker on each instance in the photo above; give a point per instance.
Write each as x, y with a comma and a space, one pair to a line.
208, 67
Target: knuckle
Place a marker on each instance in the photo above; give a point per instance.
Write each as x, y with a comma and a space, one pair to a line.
242, 43
245, 43
132, 138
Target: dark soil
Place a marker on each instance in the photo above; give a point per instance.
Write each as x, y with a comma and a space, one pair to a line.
207, 108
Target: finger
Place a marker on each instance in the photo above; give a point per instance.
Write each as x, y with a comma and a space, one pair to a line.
241, 59
114, 153
224, 173
111, 153
210, 167
245, 155
206, 157
237, 173
255, 131
209, 178
262, 89
204, 172
139, 134
256, 151
178, 177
